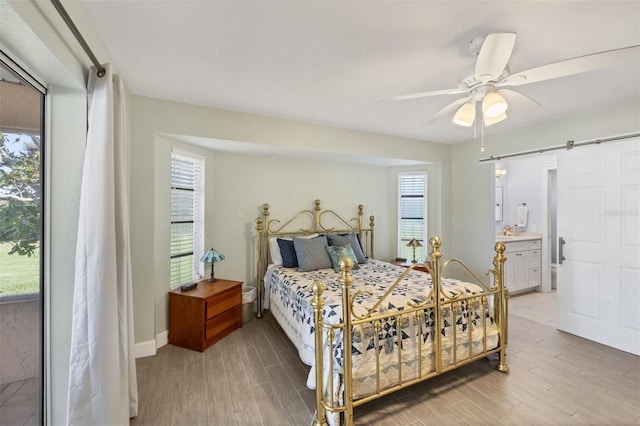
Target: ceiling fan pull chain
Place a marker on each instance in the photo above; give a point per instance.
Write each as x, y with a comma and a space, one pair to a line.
475, 130
482, 137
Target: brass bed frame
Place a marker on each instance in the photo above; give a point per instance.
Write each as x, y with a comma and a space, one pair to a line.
437, 300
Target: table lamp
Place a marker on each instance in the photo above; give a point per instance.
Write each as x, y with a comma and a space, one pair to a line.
414, 243
212, 256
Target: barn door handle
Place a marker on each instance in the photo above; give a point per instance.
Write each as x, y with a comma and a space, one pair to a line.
561, 243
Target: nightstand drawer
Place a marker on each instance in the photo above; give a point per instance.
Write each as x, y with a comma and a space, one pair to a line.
226, 321
223, 301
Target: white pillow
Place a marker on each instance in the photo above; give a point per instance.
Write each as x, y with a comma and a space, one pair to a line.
274, 248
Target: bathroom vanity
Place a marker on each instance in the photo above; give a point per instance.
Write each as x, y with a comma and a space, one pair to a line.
523, 269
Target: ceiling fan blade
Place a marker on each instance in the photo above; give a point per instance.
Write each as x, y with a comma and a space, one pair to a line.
448, 109
455, 91
574, 66
494, 56
518, 100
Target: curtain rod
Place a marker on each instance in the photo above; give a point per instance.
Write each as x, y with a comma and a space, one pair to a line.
568, 145
67, 19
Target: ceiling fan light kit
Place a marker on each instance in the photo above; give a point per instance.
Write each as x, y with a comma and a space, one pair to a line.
488, 121
466, 115
493, 105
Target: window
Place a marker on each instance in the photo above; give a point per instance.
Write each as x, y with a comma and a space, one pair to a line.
187, 217
412, 213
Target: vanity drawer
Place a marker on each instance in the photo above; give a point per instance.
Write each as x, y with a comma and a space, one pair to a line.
519, 246
535, 245
534, 258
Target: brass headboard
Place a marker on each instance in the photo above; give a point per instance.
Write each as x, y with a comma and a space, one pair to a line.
304, 223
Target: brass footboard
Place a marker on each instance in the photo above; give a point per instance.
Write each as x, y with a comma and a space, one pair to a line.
424, 319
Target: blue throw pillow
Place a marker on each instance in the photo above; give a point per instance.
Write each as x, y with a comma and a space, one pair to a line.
337, 252
311, 253
288, 253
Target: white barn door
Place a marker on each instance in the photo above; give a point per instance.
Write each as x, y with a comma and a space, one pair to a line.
598, 281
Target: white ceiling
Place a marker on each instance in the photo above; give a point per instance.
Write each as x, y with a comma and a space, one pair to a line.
328, 62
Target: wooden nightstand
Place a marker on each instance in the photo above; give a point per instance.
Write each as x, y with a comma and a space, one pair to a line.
200, 317
408, 263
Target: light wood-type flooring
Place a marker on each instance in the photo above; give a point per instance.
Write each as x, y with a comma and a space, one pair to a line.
254, 377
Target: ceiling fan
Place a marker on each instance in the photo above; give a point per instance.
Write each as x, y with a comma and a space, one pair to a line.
485, 84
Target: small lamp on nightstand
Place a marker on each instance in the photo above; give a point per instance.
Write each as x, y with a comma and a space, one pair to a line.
414, 243
212, 256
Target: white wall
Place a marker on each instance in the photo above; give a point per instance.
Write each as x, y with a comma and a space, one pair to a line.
238, 184
65, 145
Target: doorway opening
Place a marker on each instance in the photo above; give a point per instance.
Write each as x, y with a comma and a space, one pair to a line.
531, 181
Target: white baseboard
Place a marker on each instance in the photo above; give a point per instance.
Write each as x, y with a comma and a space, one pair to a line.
149, 348
144, 349
162, 339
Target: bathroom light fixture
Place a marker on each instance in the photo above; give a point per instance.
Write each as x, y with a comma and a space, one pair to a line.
493, 105
500, 173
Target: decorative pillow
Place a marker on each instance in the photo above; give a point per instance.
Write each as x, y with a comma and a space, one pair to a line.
312, 253
350, 240
287, 253
337, 252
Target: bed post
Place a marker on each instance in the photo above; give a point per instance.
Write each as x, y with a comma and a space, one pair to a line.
372, 224
317, 302
347, 279
262, 256
501, 308
435, 242
259, 275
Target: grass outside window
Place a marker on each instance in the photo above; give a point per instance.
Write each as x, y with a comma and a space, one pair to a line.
18, 274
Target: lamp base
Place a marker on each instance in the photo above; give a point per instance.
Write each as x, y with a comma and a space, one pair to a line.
212, 279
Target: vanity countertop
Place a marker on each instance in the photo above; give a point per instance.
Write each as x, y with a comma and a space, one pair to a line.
521, 236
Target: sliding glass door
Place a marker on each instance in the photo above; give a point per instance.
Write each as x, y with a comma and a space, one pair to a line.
21, 271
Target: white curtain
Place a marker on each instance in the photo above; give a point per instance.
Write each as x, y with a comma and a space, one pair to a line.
102, 372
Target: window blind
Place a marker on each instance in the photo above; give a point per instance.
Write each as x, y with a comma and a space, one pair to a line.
187, 217
412, 213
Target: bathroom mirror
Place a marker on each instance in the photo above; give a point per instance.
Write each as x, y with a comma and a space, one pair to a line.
498, 204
